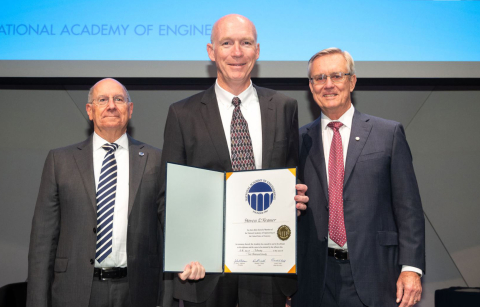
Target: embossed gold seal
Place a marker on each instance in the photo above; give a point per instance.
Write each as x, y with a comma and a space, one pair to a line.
283, 232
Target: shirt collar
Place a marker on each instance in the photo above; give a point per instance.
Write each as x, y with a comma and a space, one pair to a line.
225, 98
98, 141
346, 119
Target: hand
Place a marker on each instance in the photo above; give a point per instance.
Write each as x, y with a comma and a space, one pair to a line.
192, 271
409, 289
288, 303
300, 198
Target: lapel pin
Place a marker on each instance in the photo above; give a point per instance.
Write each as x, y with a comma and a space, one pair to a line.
357, 138
141, 154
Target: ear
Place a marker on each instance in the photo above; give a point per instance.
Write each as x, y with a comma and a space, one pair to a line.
89, 108
353, 81
130, 110
258, 51
211, 52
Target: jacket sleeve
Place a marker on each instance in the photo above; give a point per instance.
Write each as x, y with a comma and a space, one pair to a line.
407, 206
44, 238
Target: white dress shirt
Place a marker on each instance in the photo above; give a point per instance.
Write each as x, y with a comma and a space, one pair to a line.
250, 107
327, 136
118, 257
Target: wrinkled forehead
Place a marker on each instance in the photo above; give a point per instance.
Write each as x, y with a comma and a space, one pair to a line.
329, 63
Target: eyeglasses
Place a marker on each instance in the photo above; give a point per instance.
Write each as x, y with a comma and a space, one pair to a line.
336, 77
103, 100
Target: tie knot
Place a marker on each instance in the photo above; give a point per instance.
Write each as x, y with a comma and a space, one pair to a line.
110, 146
335, 125
236, 101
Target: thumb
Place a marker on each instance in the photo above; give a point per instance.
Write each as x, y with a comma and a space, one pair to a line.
399, 291
186, 272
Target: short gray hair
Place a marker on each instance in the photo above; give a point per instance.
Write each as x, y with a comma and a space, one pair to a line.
334, 50
90, 92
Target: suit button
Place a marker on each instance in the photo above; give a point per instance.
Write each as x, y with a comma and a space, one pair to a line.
325, 238
326, 208
94, 230
91, 261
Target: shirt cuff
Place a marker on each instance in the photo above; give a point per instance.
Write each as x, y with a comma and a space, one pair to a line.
412, 269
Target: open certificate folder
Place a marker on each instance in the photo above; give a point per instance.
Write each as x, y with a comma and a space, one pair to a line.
234, 222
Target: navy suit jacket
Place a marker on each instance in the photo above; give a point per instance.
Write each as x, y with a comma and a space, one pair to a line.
383, 213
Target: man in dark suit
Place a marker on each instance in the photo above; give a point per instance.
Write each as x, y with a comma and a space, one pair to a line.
362, 237
199, 133
96, 215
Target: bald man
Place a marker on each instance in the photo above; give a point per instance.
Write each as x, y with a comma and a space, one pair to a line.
198, 133
95, 237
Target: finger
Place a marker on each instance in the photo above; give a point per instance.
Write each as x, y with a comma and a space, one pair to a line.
298, 212
193, 275
399, 291
199, 271
202, 274
408, 298
186, 273
301, 206
301, 199
301, 188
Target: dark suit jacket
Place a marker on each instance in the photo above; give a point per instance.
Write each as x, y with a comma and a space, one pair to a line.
62, 242
383, 213
194, 136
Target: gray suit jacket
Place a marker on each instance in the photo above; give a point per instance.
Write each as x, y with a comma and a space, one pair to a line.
63, 239
383, 213
194, 136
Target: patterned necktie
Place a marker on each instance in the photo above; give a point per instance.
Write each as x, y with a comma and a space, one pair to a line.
336, 224
242, 150
107, 188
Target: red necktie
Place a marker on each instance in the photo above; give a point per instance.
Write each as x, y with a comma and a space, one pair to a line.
336, 224
242, 150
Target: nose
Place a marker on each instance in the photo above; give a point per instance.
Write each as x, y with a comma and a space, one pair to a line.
328, 83
111, 103
237, 50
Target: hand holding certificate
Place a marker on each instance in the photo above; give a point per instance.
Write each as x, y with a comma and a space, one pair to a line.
239, 222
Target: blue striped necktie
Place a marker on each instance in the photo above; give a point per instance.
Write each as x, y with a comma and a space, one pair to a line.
106, 190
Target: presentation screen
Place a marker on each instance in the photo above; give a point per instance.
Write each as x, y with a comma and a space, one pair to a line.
156, 38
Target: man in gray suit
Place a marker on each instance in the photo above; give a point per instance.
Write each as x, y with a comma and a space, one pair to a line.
95, 237
362, 237
200, 132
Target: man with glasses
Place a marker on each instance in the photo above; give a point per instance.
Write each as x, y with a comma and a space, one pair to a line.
95, 237
361, 241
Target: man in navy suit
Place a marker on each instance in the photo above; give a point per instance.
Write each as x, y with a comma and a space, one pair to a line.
361, 241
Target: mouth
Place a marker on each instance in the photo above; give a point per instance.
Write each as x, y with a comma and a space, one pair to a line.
237, 64
329, 95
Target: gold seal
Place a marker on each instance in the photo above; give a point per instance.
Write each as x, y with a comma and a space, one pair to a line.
283, 232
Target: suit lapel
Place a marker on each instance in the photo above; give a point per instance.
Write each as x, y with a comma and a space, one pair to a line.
213, 122
137, 164
314, 145
84, 160
360, 129
267, 110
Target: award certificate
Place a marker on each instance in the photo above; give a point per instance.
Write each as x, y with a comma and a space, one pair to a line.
235, 222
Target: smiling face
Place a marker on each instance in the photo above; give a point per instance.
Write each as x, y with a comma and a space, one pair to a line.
234, 50
333, 98
112, 117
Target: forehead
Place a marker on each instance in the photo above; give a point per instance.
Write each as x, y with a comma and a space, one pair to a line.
235, 27
108, 87
329, 63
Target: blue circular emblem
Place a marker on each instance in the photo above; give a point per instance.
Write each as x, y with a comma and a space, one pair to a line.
260, 196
